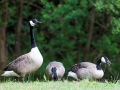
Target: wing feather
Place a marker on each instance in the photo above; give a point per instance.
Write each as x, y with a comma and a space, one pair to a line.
20, 63
81, 65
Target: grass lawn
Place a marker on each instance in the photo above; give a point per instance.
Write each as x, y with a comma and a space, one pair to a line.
59, 85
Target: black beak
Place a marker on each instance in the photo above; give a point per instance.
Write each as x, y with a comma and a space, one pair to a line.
38, 22
55, 78
108, 62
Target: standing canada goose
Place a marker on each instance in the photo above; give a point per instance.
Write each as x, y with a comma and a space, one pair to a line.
85, 70
27, 63
55, 70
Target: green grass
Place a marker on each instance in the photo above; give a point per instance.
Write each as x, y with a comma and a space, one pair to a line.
59, 85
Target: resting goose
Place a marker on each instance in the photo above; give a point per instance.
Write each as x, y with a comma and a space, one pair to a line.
55, 70
27, 63
85, 70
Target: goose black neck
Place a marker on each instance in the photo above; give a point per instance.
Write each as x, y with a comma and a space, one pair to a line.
98, 65
54, 73
33, 43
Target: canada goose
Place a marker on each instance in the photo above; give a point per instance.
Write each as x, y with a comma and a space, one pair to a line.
85, 70
55, 70
27, 63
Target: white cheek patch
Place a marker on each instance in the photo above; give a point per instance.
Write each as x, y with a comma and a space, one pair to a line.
31, 23
103, 60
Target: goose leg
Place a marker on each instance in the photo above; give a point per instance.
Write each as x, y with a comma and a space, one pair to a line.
22, 79
67, 78
28, 78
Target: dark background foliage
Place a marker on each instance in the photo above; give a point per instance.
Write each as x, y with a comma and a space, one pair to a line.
72, 31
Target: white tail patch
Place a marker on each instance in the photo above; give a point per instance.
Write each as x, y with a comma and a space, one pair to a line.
72, 74
10, 73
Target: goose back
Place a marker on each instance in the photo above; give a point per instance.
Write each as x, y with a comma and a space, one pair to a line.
81, 65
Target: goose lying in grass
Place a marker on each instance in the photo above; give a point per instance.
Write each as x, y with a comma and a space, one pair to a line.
85, 70
55, 70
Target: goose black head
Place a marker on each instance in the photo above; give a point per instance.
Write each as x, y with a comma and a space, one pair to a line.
34, 22
104, 59
54, 76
